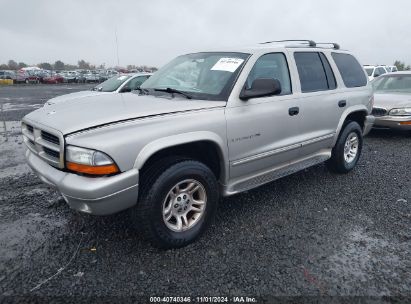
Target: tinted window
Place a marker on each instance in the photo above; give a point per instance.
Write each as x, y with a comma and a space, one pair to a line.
311, 72
271, 66
136, 82
369, 71
381, 71
351, 71
328, 72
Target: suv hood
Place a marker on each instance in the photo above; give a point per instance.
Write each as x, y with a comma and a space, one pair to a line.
92, 111
72, 96
392, 100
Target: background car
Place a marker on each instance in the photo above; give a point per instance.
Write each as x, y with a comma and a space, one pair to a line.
391, 68
375, 71
23, 76
392, 101
118, 84
93, 76
69, 76
7, 74
53, 78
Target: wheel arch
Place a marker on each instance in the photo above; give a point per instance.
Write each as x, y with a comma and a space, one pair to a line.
357, 113
204, 146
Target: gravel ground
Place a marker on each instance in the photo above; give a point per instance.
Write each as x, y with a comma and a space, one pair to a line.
309, 234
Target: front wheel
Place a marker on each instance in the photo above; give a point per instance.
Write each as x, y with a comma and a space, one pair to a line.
177, 202
347, 150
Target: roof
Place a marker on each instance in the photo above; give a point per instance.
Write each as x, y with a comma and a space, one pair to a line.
397, 73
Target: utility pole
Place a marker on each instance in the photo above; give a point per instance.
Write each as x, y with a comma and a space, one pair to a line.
118, 58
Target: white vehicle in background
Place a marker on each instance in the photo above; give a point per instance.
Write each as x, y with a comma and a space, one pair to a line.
391, 68
373, 71
93, 76
69, 76
118, 84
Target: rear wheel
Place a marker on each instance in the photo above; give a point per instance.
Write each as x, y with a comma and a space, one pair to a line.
347, 150
177, 202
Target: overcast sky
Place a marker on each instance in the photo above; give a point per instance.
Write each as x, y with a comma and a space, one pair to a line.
152, 32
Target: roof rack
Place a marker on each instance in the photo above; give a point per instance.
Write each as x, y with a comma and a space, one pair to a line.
309, 42
336, 46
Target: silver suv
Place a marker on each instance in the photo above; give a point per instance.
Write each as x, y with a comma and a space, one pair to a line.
207, 124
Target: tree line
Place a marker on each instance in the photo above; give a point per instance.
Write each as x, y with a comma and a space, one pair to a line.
60, 65
401, 66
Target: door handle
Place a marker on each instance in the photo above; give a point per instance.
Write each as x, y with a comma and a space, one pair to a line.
342, 103
293, 111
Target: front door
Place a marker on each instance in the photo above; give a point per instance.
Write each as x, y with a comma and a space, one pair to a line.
263, 132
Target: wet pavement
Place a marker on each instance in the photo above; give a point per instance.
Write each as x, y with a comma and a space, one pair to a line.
313, 233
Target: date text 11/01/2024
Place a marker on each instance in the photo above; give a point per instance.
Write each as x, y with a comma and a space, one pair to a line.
239, 299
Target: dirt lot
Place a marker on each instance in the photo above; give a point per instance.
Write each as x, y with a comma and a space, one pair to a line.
310, 234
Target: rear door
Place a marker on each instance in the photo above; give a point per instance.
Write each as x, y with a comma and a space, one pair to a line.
322, 103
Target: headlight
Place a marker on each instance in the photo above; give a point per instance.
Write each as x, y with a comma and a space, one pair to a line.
400, 112
89, 161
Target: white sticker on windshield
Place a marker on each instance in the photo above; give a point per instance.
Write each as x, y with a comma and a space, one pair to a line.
227, 64
122, 77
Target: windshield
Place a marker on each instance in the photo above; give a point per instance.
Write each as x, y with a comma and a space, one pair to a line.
369, 71
208, 76
112, 84
393, 83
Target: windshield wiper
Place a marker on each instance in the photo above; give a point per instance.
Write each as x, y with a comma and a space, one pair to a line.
172, 91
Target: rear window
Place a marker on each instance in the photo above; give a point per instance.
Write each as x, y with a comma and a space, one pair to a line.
351, 71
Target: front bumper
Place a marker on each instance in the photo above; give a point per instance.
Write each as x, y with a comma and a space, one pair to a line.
94, 195
393, 122
368, 124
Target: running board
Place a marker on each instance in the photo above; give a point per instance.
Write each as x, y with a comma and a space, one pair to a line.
273, 174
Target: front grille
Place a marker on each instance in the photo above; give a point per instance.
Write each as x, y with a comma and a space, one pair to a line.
48, 145
50, 137
379, 112
51, 153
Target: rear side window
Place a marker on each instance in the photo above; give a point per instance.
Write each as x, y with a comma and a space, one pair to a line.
273, 65
351, 71
314, 71
328, 72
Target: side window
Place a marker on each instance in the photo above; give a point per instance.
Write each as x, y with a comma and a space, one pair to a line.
351, 71
135, 83
273, 65
332, 84
312, 72
381, 71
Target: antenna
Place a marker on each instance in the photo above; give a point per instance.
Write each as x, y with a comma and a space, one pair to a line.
118, 58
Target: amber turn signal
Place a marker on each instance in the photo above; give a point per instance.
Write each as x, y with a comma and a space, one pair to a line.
405, 123
92, 170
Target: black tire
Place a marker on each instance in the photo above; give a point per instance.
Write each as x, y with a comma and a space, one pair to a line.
337, 162
147, 215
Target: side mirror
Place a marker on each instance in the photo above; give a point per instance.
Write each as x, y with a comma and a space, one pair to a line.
125, 90
376, 75
261, 87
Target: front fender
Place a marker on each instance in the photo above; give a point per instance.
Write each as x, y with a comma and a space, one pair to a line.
185, 138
